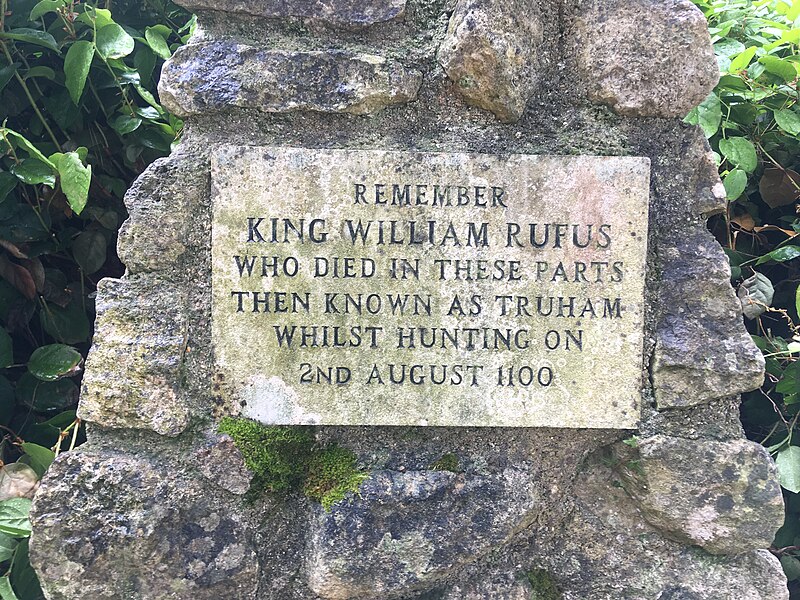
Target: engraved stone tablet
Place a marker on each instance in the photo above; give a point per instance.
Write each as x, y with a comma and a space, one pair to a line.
403, 288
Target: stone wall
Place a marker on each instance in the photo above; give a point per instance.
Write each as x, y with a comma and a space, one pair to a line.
155, 505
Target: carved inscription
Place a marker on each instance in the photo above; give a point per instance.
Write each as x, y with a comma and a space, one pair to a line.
399, 288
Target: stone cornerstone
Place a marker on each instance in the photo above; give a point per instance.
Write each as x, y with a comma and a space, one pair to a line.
156, 505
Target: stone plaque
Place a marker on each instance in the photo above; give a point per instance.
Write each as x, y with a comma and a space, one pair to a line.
404, 288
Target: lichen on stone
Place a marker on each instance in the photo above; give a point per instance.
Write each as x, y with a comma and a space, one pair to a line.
447, 462
543, 584
285, 458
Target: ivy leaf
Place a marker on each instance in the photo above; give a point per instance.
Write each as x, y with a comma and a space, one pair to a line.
735, 183
780, 67
113, 42
707, 115
124, 124
75, 179
779, 187
46, 396
742, 60
44, 7
780, 255
33, 172
32, 36
6, 349
157, 42
14, 517
740, 152
788, 461
54, 361
788, 120
76, 68
7, 545
6, 591
40, 458
89, 251
755, 294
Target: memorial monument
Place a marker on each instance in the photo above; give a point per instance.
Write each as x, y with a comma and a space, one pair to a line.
422, 307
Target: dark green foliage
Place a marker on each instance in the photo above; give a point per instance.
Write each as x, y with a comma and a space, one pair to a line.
752, 119
288, 458
80, 120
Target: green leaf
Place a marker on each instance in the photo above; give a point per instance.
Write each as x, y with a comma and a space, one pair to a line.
54, 361
75, 179
788, 461
735, 183
6, 351
89, 251
7, 545
31, 36
791, 567
797, 300
23, 577
707, 115
46, 396
33, 171
156, 40
780, 255
68, 325
14, 517
7, 183
742, 60
780, 67
114, 42
124, 124
44, 7
76, 68
788, 120
40, 71
23, 142
6, 591
740, 152
40, 457
6, 73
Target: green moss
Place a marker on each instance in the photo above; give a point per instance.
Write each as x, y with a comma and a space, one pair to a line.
448, 462
543, 584
332, 474
288, 458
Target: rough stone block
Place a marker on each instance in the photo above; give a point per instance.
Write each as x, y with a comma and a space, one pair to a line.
645, 57
217, 76
221, 462
159, 202
722, 496
397, 535
702, 350
134, 367
490, 54
348, 14
109, 527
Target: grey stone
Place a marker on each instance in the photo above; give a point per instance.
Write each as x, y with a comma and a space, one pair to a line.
349, 14
397, 535
702, 351
222, 463
490, 54
722, 496
645, 57
141, 337
153, 238
604, 549
220, 75
494, 586
109, 527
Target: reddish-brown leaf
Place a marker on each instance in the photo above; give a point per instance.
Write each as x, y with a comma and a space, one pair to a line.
18, 276
779, 188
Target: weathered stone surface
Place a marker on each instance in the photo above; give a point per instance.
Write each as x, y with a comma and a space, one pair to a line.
490, 54
702, 351
340, 13
591, 262
220, 75
494, 586
153, 238
397, 535
110, 526
722, 496
605, 549
645, 57
222, 463
140, 337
